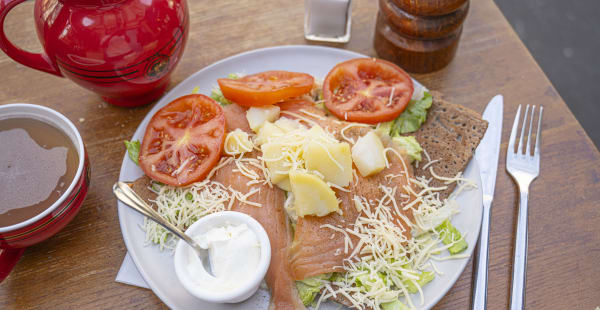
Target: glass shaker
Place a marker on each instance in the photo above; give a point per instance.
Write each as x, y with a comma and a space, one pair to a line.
327, 20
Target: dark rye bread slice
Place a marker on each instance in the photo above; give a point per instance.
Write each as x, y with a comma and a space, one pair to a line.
450, 134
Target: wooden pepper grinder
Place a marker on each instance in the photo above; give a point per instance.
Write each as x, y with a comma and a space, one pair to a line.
419, 35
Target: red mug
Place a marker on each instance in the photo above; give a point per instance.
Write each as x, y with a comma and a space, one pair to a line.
15, 238
124, 50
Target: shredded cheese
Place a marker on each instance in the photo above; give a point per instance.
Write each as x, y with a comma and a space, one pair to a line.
300, 117
338, 187
237, 142
317, 116
430, 163
354, 177
389, 104
181, 167
385, 260
347, 240
182, 206
349, 139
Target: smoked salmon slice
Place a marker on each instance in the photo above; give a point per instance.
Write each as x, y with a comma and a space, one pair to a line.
235, 117
271, 216
284, 294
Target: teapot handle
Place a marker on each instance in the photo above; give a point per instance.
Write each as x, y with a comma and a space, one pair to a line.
40, 61
8, 260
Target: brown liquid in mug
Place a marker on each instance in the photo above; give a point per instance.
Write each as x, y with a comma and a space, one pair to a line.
37, 164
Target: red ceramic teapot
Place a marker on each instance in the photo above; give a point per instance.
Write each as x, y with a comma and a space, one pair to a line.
123, 50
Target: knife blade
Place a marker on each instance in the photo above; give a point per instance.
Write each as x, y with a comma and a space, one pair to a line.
487, 155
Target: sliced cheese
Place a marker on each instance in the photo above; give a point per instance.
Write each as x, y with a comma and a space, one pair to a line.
285, 184
257, 116
368, 155
276, 160
312, 196
266, 132
332, 160
288, 124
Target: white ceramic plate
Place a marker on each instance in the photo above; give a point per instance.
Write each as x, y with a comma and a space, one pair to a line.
157, 267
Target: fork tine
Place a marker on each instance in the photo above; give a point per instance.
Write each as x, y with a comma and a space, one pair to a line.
529, 143
538, 136
513, 132
525, 115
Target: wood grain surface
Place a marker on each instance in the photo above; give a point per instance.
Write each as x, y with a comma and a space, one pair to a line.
76, 268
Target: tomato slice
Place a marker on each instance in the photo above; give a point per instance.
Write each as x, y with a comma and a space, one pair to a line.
183, 140
367, 90
266, 87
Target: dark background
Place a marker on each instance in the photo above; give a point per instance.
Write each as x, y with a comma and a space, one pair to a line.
564, 38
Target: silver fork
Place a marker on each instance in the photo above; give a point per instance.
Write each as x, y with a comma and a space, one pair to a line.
524, 168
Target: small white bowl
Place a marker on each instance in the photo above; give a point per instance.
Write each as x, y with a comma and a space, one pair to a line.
203, 225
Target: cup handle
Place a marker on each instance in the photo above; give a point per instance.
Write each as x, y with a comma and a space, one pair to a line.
8, 260
40, 61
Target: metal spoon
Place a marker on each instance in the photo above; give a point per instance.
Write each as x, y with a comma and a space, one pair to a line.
127, 196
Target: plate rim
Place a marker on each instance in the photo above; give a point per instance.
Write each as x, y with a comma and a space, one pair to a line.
161, 102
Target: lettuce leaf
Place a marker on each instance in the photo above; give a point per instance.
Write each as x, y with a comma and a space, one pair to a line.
410, 145
394, 305
309, 288
307, 293
133, 148
413, 117
450, 234
384, 129
424, 278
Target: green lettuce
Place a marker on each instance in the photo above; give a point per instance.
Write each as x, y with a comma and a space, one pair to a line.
133, 148
384, 129
309, 288
424, 278
367, 280
336, 277
394, 305
217, 95
307, 293
450, 234
410, 145
413, 117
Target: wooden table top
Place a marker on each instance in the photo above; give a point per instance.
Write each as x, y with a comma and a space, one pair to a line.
77, 267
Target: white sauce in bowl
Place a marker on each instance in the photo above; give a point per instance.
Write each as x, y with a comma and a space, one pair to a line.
234, 252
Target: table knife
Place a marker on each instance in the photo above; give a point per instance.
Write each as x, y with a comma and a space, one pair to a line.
486, 156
